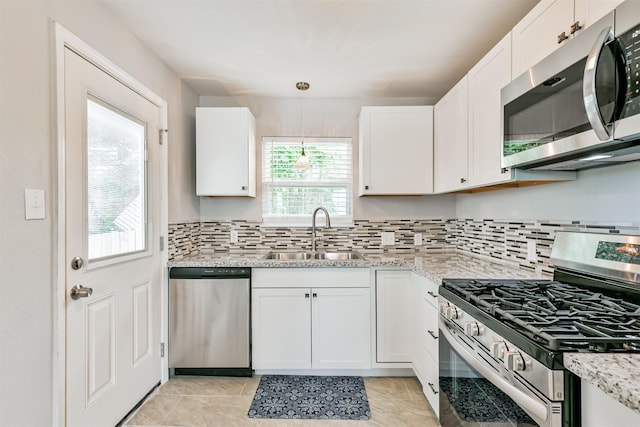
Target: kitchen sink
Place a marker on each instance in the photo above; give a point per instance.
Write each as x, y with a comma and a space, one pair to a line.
332, 256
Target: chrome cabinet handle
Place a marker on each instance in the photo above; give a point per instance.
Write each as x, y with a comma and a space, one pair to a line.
433, 390
590, 98
434, 336
80, 291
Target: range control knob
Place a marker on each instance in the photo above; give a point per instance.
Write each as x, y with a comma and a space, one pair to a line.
498, 349
514, 361
472, 329
453, 312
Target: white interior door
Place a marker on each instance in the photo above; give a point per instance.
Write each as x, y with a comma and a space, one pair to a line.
112, 189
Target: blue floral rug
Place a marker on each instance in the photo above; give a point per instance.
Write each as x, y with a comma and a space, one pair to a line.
310, 397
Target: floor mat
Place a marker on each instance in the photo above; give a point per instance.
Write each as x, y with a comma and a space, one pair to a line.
310, 397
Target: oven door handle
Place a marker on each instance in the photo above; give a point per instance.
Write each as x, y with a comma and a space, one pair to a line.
589, 94
531, 405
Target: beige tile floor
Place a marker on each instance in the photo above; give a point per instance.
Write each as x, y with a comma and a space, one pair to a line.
224, 402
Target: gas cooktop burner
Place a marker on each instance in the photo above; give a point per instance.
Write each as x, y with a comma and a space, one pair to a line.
557, 315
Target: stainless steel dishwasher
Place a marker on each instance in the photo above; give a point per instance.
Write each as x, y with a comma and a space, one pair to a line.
209, 321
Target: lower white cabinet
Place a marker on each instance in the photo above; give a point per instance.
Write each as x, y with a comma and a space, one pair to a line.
425, 337
602, 410
393, 317
300, 327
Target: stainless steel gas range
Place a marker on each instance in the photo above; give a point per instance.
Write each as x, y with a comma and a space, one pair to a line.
502, 341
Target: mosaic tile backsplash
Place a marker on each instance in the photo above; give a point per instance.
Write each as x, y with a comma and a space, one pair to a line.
504, 241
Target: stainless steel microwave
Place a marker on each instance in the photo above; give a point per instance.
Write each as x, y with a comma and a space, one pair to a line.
579, 107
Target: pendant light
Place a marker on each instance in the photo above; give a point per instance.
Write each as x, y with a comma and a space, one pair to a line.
303, 162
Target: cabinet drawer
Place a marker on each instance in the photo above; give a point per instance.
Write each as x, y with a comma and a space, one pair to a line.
429, 291
310, 277
430, 340
430, 388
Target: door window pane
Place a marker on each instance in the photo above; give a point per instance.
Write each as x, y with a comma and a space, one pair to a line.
116, 173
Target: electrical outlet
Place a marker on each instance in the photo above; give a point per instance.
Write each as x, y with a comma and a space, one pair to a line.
233, 236
417, 239
388, 238
532, 254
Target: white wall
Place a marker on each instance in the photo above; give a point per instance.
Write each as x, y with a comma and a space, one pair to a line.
28, 159
605, 195
322, 117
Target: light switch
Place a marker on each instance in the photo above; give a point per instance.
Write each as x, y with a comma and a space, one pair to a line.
417, 239
388, 238
233, 237
33, 204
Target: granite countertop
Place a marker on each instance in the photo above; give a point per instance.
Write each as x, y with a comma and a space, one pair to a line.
616, 374
433, 266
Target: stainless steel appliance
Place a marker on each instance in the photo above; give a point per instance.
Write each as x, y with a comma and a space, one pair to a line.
209, 321
502, 341
578, 108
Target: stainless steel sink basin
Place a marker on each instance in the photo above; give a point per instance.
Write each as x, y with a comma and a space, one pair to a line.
329, 256
338, 256
285, 256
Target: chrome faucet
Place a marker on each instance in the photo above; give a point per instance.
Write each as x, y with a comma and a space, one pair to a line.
313, 226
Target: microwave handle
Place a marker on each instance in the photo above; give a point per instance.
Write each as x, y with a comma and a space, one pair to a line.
590, 97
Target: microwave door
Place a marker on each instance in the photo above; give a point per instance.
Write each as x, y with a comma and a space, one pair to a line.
597, 89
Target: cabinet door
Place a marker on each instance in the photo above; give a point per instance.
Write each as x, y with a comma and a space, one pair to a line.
341, 337
536, 35
396, 150
281, 328
450, 140
393, 316
589, 11
225, 152
486, 80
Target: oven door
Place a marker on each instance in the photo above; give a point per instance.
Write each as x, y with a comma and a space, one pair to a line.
475, 389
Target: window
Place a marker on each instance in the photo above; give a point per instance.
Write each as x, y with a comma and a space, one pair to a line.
290, 195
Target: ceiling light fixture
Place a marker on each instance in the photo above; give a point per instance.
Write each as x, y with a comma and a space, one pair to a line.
303, 162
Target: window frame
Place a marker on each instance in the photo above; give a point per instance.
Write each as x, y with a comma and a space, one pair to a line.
306, 220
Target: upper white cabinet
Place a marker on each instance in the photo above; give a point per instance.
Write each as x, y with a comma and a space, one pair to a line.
396, 150
549, 24
485, 81
225, 152
450, 140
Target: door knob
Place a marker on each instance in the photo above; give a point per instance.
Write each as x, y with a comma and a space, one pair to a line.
79, 291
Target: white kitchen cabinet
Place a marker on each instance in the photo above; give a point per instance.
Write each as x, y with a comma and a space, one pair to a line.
451, 140
308, 318
425, 357
225, 152
550, 21
486, 79
393, 316
281, 331
396, 150
602, 410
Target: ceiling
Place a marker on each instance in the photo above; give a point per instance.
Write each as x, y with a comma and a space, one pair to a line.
343, 48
